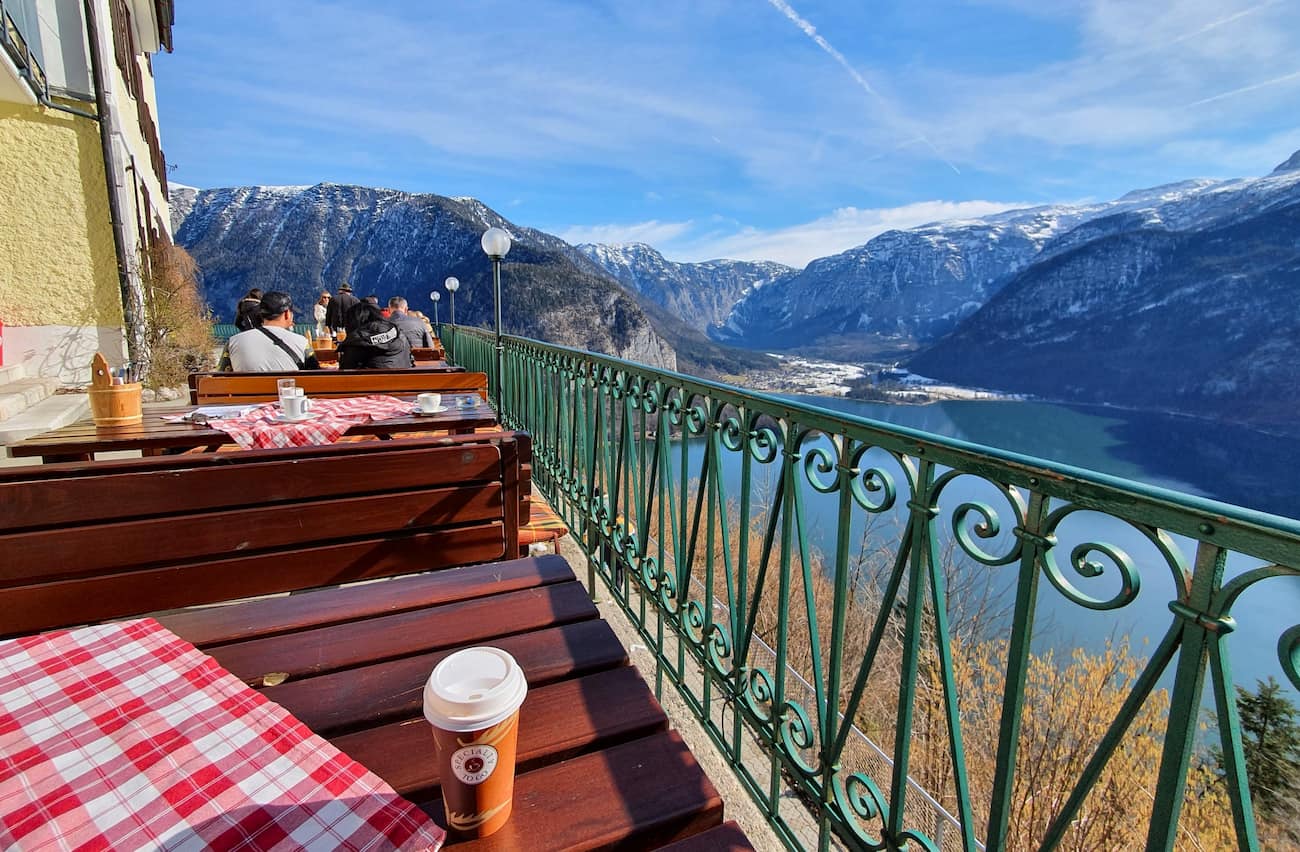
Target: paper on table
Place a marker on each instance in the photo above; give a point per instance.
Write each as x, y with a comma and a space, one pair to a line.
212, 412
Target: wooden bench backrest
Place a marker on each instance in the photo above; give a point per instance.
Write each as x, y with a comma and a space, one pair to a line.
234, 388
84, 542
420, 354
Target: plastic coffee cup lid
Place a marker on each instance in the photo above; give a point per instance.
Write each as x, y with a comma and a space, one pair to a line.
474, 688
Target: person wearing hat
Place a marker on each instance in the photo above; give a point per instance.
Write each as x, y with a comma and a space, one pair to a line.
336, 315
272, 347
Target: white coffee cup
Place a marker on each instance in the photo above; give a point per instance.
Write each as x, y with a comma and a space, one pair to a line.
295, 407
429, 401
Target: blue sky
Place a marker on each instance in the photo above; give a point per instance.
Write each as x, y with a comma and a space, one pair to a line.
754, 129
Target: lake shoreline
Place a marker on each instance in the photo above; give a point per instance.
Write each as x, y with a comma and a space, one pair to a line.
822, 378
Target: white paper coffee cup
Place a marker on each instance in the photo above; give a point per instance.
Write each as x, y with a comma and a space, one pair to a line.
472, 700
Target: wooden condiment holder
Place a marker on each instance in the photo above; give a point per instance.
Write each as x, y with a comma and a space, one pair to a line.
110, 404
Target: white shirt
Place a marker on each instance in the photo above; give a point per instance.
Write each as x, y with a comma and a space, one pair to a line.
253, 352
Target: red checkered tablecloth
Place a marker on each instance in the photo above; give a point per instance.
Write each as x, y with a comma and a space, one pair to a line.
124, 736
330, 418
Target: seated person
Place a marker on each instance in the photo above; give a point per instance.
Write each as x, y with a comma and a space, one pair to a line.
246, 310
415, 331
374, 343
271, 346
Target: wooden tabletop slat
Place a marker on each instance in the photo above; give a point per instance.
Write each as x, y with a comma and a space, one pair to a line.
391, 691
661, 792
322, 650
218, 625
727, 837
556, 722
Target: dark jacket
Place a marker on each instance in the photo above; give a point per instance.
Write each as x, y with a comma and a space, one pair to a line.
337, 310
377, 345
414, 330
248, 314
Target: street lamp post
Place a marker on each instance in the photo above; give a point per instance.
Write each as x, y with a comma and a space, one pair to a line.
452, 284
496, 243
436, 296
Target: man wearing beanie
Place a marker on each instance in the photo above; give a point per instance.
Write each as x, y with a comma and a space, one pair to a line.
336, 313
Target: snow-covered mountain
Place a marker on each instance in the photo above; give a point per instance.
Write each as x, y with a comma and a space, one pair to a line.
920, 284
1200, 321
702, 294
305, 239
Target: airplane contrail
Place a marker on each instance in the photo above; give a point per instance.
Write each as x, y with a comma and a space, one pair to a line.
809, 30
1284, 78
1214, 25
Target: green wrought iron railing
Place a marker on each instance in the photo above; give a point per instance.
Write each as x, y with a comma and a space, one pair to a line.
223, 331
856, 612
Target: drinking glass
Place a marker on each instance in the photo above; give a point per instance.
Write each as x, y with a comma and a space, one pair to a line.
286, 387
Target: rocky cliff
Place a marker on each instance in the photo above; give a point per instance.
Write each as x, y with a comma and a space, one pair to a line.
702, 294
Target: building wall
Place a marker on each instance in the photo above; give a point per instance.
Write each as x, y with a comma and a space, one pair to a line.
59, 296
147, 183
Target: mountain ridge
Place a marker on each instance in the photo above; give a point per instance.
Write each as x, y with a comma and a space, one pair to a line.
1196, 321
306, 239
917, 285
701, 293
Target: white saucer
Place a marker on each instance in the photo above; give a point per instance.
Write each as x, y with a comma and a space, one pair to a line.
439, 410
281, 417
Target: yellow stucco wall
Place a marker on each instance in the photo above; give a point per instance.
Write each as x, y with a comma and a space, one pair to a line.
57, 262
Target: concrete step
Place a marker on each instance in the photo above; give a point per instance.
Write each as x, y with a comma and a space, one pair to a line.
22, 393
50, 413
12, 373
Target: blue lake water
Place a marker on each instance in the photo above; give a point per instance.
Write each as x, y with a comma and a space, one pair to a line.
1225, 462
1222, 462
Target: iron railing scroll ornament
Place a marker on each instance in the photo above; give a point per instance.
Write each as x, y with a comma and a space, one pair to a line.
729, 525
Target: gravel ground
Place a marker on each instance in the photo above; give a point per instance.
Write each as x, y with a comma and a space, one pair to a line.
739, 806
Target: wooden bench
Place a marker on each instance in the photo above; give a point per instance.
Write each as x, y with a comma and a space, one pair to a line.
598, 765
234, 388
422, 355
424, 358
110, 538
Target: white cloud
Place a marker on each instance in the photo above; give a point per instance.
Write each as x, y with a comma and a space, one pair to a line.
652, 233
1144, 74
1257, 158
831, 234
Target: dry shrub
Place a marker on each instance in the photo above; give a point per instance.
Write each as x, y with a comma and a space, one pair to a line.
178, 324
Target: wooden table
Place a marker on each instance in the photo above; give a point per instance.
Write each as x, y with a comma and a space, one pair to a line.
80, 441
598, 765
